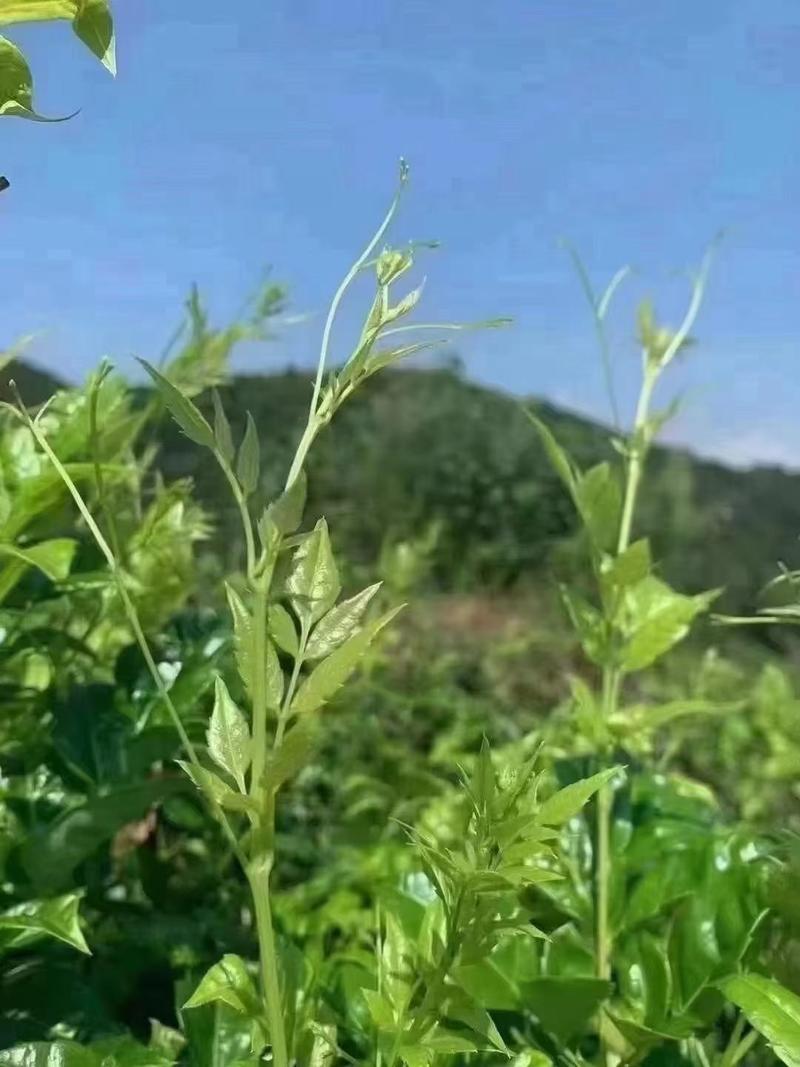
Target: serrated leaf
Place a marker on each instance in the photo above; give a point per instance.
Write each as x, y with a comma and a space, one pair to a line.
227, 982
27, 922
248, 461
340, 622
568, 802
242, 637
228, 735
222, 430
313, 582
282, 630
213, 788
771, 1009
333, 672
183, 411
275, 679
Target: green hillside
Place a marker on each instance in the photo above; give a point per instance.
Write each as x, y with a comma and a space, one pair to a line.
427, 446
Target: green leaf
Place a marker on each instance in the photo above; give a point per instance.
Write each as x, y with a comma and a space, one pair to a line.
214, 789
275, 680
292, 754
567, 802
461, 1008
589, 624
242, 637
36, 10
446, 1043
282, 630
286, 513
565, 1005
16, 83
313, 583
218, 1036
657, 618
488, 985
53, 558
27, 922
643, 719
222, 430
771, 1009
627, 569
229, 736
49, 1054
559, 460
380, 1010
334, 671
183, 411
95, 27
340, 622
694, 949
166, 1040
125, 1052
51, 854
599, 501
227, 982
248, 462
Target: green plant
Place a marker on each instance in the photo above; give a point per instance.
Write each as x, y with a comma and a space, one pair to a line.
668, 940
92, 23
244, 765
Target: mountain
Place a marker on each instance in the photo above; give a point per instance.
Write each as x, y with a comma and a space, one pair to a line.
34, 384
417, 447
423, 448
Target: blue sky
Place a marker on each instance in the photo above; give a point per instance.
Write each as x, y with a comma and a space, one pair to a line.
267, 131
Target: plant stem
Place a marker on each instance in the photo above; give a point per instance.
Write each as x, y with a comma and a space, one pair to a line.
258, 876
345, 284
241, 503
612, 679
636, 458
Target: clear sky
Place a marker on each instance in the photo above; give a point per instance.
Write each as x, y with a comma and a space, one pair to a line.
260, 132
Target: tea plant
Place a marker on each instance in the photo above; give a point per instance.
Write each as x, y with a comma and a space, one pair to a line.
244, 764
675, 932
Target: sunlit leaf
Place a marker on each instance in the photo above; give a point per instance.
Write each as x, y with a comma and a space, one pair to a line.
229, 736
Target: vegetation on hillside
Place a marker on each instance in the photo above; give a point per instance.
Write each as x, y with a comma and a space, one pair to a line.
256, 807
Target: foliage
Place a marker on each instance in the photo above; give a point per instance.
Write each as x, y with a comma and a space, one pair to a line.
91, 22
255, 812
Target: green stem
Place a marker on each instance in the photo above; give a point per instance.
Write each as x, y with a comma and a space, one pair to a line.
345, 284
306, 441
283, 717
259, 686
241, 503
612, 679
258, 875
636, 457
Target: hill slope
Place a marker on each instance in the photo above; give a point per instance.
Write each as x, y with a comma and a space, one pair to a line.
419, 446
